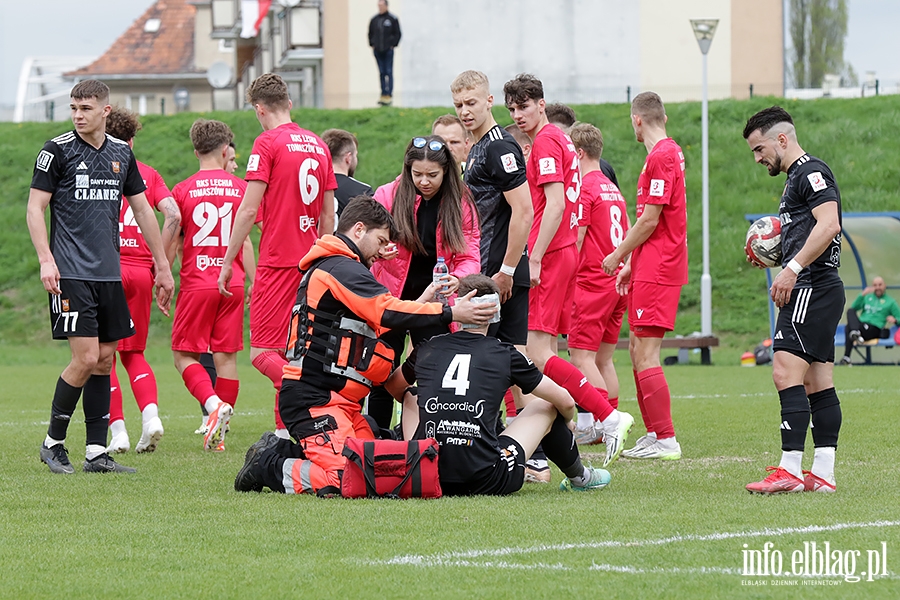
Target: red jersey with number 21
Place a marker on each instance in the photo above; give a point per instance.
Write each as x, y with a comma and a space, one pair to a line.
602, 210
663, 258
296, 166
553, 160
208, 201
133, 248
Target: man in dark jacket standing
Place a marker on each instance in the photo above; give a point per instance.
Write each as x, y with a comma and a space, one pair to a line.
384, 35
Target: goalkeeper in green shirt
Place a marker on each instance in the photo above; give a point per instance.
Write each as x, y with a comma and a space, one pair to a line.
868, 317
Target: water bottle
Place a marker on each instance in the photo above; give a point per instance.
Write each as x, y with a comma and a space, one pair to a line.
440, 269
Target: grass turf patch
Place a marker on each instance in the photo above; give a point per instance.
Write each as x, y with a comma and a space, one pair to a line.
177, 528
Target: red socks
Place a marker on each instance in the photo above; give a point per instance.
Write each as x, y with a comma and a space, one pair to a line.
115, 395
510, 404
614, 402
271, 364
143, 381
227, 390
648, 425
657, 405
586, 396
197, 382
143, 384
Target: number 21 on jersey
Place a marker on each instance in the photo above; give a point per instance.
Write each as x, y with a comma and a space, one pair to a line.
206, 216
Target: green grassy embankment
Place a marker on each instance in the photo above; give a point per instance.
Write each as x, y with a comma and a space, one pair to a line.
855, 137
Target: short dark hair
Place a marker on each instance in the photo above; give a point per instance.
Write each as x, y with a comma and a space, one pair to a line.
209, 136
91, 88
123, 124
766, 119
522, 88
476, 281
366, 210
561, 114
339, 142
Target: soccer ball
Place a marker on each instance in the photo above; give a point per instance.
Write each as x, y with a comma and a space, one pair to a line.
764, 242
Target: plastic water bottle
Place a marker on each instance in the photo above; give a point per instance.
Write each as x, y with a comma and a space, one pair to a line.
440, 269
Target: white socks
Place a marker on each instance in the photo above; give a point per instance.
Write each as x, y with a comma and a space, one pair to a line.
283, 434
792, 461
151, 411
667, 443
823, 463
585, 477
93, 451
211, 404
585, 420
50, 442
117, 427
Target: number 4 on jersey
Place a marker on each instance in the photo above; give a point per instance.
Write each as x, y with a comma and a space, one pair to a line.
457, 374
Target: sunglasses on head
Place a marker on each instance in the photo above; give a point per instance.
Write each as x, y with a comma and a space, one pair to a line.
433, 145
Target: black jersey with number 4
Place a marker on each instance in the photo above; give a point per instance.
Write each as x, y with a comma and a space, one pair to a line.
810, 183
461, 378
496, 165
87, 184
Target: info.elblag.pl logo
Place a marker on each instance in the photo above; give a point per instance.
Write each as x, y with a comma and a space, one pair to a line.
815, 563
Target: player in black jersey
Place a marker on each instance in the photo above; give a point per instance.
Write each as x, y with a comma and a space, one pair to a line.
82, 176
810, 295
461, 378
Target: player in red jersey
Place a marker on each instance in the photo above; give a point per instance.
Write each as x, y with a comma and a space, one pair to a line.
658, 268
137, 281
554, 180
290, 174
204, 319
598, 308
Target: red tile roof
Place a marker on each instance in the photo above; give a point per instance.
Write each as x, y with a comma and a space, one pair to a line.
168, 51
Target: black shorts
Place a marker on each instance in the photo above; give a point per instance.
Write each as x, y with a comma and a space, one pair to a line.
513, 325
90, 309
806, 325
506, 477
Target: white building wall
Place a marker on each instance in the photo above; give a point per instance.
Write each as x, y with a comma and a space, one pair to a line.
671, 62
582, 50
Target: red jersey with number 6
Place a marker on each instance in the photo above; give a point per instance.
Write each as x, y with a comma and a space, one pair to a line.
663, 258
208, 201
296, 166
133, 248
553, 160
602, 210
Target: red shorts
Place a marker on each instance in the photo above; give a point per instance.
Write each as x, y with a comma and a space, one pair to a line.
652, 305
549, 304
138, 285
273, 296
207, 321
596, 317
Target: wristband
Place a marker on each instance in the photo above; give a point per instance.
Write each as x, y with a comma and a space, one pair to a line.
507, 270
794, 266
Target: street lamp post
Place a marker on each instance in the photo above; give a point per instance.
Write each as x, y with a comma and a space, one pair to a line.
704, 30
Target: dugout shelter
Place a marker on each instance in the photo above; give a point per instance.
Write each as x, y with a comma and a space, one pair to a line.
870, 248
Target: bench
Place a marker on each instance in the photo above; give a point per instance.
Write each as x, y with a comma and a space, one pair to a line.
864, 350
683, 344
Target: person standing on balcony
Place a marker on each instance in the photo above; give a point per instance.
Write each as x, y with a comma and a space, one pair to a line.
384, 35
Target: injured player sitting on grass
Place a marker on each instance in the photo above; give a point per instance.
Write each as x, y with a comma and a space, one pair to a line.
460, 381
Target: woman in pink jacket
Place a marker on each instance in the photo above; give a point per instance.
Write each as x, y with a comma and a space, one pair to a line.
435, 216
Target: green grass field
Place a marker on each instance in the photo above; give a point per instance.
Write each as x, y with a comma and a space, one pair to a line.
177, 529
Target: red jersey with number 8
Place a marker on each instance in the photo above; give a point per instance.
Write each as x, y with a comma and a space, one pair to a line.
663, 258
602, 210
296, 166
133, 248
208, 201
553, 160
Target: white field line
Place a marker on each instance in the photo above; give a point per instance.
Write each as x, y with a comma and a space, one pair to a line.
464, 559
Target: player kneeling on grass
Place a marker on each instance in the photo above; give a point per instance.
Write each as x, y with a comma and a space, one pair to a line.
335, 356
461, 379
204, 318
